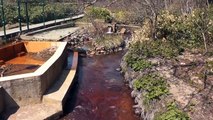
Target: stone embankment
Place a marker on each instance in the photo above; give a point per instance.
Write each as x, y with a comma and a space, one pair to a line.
186, 86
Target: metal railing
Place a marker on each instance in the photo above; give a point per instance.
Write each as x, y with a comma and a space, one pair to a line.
25, 5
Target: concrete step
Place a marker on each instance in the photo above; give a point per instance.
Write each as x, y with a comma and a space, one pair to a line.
57, 93
36, 112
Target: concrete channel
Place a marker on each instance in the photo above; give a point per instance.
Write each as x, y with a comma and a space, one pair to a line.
40, 94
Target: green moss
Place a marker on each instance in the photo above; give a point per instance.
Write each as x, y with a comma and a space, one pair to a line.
173, 113
153, 85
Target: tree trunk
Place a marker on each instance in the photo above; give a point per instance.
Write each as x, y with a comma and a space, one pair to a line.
166, 4
204, 41
154, 26
207, 3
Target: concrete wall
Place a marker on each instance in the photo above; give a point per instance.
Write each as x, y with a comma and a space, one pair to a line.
51, 74
22, 91
1, 100
11, 51
28, 88
37, 46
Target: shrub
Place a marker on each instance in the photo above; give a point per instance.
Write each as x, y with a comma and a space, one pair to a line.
99, 13
122, 16
153, 85
59, 10
173, 113
137, 64
155, 48
185, 30
35, 12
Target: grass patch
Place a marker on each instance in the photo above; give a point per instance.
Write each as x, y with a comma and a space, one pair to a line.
109, 41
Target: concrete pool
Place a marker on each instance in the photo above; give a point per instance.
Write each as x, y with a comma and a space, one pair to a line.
28, 88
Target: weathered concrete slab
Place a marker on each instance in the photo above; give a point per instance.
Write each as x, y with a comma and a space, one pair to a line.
53, 35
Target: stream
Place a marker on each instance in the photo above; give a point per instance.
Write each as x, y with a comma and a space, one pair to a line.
99, 91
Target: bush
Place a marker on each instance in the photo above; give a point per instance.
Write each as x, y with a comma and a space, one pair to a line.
122, 16
153, 85
173, 113
99, 13
35, 12
59, 10
157, 48
185, 30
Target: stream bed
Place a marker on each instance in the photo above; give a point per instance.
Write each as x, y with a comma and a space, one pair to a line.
99, 92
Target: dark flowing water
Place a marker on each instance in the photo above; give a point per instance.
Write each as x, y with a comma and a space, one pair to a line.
99, 92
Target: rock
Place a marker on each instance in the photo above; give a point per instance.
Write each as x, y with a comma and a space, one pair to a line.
118, 69
198, 81
135, 93
112, 107
136, 106
123, 30
79, 107
98, 48
155, 61
103, 52
92, 53
98, 53
138, 111
120, 49
72, 43
3, 67
2, 62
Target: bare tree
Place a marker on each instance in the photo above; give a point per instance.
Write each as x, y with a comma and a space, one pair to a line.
151, 10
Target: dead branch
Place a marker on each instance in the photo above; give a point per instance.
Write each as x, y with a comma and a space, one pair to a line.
111, 3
